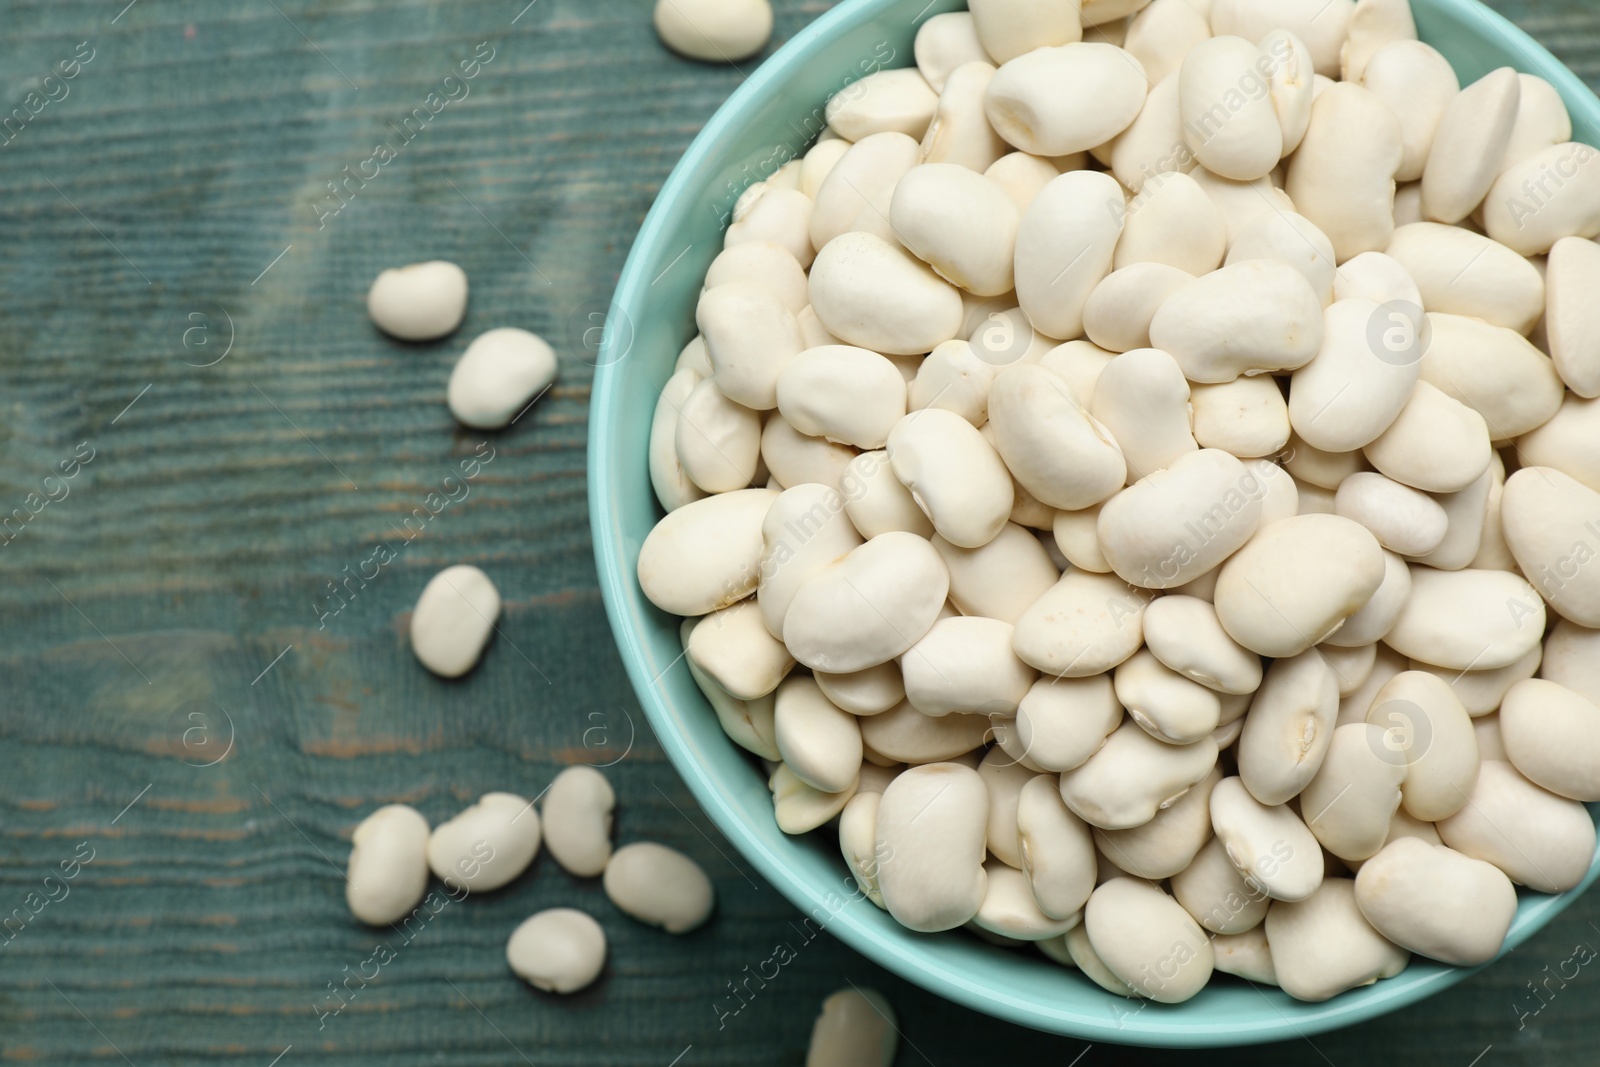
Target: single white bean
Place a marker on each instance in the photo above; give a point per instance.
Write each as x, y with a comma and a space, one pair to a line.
1572, 320
420, 301
453, 619
1268, 844
1147, 940
1296, 582
1470, 143
734, 647
898, 100
487, 845
1182, 521
1322, 946
869, 293
1468, 619
867, 607
705, 555
388, 870
1551, 521
856, 1028
1248, 317
659, 886
931, 827
1062, 454
559, 950
1083, 625
1065, 244
577, 820
1289, 728
1142, 398
1436, 901
1539, 839
1033, 100
1552, 735
1133, 776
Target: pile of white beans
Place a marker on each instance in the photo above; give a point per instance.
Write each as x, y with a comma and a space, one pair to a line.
1139, 475
490, 844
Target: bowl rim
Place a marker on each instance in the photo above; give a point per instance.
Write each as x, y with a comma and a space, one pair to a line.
619, 587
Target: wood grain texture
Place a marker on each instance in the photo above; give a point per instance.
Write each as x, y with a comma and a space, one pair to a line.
143, 714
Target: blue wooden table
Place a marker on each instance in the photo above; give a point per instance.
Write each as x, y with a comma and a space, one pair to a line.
204, 677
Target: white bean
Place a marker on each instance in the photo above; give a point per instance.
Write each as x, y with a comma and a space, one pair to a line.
1184, 633
1470, 143
1118, 313
735, 648
931, 826
966, 665
1165, 703
1322, 946
1248, 317
1010, 28
1552, 735
1133, 776
1147, 940
1173, 221
659, 886
960, 132
1342, 177
453, 619
1232, 132
944, 43
1083, 625
1268, 843
1436, 443
1061, 722
559, 950
1142, 398
718, 442
1056, 849
954, 475
1296, 582
487, 845
1572, 320
420, 301
1539, 839
1057, 450
1169, 842
1550, 195
1065, 244
898, 100
1182, 521
388, 869
867, 607
1550, 521
869, 293
1213, 890
960, 223
1436, 901
1418, 84
749, 336
705, 555
856, 1028
577, 820
1247, 416
1032, 101
1289, 728
714, 31
1001, 579
1468, 619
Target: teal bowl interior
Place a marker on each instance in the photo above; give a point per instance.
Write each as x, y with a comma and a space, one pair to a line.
770, 119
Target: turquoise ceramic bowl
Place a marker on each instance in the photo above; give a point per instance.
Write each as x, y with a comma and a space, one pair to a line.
771, 118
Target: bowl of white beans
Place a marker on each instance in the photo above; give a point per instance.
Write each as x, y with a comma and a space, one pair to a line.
1100, 503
